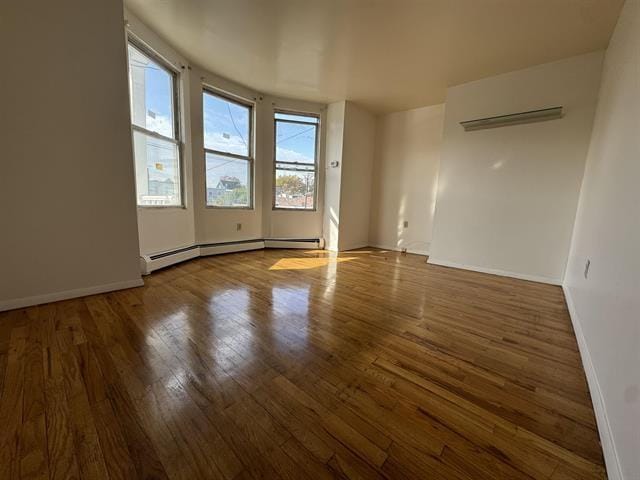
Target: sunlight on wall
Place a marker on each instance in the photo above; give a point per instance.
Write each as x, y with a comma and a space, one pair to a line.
307, 263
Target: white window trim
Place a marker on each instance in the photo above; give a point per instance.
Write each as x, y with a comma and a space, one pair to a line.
207, 90
293, 164
177, 115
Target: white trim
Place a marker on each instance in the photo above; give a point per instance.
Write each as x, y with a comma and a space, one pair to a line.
148, 265
614, 469
275, 243
67, 294
415, 251
231, 248
492, 271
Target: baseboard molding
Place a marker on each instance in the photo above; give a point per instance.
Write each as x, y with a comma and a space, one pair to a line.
67, 294
213, 249
491, 271
152, 262
354, 246
614, 470
292, 243
415, 251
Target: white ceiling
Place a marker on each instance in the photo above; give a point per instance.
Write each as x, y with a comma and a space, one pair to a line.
387, 55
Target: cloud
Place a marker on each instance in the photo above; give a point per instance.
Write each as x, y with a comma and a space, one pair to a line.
286, 155
225, 143
160, 124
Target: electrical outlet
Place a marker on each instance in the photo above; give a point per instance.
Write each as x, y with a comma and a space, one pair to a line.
586, 268
406, 224
238, 227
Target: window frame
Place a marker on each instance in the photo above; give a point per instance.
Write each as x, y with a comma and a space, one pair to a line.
315, 160
175, 74
209, 90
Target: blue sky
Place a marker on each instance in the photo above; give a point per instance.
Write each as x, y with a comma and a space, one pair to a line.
226, 125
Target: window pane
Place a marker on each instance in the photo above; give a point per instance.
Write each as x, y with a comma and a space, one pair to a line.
226, 125
294, 189
295, 142
296, 118
151, 94
227, 181
157, 170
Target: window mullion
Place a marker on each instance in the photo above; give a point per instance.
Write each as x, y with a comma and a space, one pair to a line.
151, 133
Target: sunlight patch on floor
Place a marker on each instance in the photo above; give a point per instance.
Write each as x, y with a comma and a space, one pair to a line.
307, 263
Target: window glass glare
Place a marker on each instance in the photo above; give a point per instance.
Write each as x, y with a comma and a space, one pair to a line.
227, 181
226, 125
157, 170
155, 137
151, 94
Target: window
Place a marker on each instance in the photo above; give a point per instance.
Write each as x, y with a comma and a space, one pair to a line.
296, 162
156, 141
228, 150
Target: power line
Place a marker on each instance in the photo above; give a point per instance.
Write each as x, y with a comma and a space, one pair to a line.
295, 135
234, 125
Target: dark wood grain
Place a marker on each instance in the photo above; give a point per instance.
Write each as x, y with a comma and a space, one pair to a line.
299, 364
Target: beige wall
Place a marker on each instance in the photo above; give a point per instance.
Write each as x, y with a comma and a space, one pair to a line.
405, 178
606, 304
507, 196
68, 216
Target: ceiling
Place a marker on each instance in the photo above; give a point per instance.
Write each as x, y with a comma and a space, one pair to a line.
386, 55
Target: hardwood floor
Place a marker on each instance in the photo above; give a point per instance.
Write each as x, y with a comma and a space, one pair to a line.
296, 365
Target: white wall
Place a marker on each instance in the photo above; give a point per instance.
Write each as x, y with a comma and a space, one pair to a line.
164, 229
351, 143
68, 216
357, 165
219, 224
606, 305
287, 223
405, 178
333, 175
507, 196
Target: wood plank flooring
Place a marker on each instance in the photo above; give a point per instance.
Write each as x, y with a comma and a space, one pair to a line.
299, 365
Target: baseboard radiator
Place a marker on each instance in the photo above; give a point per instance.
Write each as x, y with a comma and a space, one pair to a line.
156, 261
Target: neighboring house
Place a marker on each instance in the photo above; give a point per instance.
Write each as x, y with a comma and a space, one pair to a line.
294, 201
162, 187
228, 183
213, 193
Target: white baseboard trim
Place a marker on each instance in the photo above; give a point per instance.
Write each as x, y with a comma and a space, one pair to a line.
230, 248
151, 262
415, 251
492, 271
67, 294
148, 264
614, 470
276, 243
